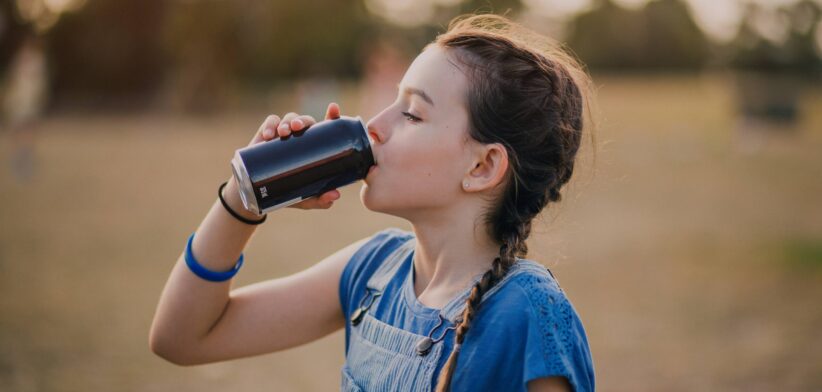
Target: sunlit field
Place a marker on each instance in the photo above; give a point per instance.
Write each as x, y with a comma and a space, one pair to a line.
691, 249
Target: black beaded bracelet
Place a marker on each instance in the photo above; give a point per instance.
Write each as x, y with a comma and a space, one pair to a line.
234, 213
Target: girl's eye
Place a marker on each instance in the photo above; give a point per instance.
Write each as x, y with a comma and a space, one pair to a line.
411, 117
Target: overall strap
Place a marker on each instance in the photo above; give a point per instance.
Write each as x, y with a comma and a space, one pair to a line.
386, 271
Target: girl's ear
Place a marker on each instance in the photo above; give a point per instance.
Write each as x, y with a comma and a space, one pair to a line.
488, 169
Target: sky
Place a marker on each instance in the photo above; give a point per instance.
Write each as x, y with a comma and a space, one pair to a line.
720, 19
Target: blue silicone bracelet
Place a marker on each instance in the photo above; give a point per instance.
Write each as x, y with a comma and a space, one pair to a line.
207, 274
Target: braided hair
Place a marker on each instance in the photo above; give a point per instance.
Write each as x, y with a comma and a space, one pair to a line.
526, 94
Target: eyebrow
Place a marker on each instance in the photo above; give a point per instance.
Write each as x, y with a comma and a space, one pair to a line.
420, 93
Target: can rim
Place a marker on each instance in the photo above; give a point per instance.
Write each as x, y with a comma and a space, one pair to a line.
368, 138
246, 189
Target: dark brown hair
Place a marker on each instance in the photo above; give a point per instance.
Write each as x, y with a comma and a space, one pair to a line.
526, 93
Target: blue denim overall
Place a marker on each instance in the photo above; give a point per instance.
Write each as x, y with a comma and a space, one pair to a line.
382, 357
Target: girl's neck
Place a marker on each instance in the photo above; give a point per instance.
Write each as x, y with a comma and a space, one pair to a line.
447, 257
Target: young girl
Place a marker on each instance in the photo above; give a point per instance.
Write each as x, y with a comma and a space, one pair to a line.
481, 138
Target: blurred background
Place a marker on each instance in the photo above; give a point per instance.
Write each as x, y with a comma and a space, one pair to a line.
690, 239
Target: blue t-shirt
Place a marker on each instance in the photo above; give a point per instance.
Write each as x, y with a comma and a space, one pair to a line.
525, 329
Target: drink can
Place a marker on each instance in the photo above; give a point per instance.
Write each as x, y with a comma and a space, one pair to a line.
307, 163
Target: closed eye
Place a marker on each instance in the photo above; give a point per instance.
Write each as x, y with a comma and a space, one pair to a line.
411, 117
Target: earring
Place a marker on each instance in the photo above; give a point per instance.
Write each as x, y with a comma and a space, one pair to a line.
465, 184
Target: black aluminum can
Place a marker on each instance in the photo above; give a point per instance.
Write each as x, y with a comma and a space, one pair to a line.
307, 163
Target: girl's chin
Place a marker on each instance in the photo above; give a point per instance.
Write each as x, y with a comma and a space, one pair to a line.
365, 192
367, 197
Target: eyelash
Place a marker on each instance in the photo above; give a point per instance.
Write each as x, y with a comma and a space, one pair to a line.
411, 117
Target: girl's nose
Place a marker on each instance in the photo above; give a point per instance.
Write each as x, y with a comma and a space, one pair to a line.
375, 132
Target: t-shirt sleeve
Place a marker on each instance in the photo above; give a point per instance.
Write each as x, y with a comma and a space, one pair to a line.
556, 343
364, 262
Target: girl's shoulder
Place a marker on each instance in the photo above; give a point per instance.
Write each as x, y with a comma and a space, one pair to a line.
537, 284
366, 260
377, 248
531, 304
528, 286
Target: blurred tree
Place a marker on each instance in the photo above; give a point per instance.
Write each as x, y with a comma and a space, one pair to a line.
772, 71
215, 46
795, 52
202, 45
660, 35
109, 50
12, 33
313, 37
27, 21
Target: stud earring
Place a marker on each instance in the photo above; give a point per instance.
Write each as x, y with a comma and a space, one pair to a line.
465, 184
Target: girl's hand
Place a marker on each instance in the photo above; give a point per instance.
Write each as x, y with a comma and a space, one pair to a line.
274, 126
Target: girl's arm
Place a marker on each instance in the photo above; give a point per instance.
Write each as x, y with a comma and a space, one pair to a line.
199, 321
549, 384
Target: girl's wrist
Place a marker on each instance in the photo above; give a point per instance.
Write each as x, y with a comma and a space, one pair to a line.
231, 194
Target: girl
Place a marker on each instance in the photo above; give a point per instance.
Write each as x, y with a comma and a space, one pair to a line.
482, 136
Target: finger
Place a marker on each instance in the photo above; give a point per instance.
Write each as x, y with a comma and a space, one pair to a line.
333, 111
331, 195
284, 129
324, 201
323, 204
327, 199
266, 130
270, 128
302, 122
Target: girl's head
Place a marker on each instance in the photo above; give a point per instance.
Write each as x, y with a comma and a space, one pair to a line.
487, 123
488, 117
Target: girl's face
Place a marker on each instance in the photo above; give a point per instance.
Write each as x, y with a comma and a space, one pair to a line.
421, 141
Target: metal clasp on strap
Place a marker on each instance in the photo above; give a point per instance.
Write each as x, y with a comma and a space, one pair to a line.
425, 344
358, 314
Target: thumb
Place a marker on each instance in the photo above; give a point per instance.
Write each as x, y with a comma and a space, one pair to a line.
333, 111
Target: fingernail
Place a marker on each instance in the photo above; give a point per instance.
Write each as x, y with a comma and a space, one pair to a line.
298, 124
283, 127
268, 133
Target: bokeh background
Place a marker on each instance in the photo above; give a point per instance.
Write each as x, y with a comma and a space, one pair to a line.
690, 239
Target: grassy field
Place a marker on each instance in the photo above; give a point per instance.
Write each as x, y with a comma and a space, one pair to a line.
694, 259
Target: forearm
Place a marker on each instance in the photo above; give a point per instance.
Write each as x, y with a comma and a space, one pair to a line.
189, 305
